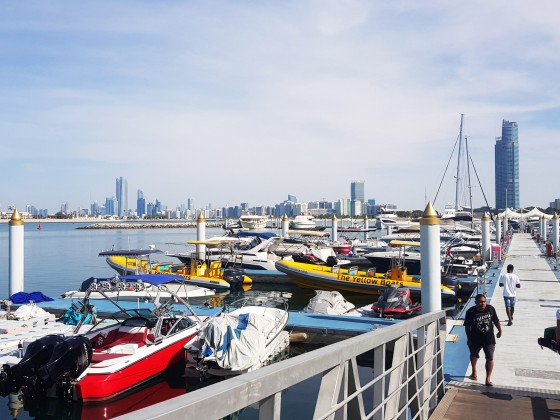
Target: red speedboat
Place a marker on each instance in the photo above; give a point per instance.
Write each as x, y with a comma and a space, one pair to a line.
110, 360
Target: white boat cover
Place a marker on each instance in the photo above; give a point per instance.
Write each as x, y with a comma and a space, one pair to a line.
28, 311
328, 303
237, 341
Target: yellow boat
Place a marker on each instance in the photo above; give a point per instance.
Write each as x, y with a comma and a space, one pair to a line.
197, 273
321, 277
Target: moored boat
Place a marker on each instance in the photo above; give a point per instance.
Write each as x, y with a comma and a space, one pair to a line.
197, 273
136, 287
352, 280
239, 341
111, 359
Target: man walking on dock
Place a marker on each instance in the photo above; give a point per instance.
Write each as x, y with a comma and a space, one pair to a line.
479, 327
510, 282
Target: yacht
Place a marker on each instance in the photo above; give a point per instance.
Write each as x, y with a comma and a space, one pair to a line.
305, 222
253, 221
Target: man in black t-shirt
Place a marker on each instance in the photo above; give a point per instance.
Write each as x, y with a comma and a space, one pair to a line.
479, 326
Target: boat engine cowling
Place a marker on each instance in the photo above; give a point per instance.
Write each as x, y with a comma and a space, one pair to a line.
69, 359
36, 355
234, 276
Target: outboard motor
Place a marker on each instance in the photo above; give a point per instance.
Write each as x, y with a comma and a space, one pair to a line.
69, 359
234, 276
331, 261
36, 355
450, 281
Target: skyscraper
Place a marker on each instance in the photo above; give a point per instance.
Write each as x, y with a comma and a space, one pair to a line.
356, 194
506, 156
140, 204
121, 196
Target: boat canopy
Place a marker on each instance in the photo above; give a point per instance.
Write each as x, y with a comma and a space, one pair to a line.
129, 252
396, 242
249, 234
308, 233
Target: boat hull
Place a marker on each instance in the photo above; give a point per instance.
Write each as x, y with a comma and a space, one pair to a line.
323, 278
102, 382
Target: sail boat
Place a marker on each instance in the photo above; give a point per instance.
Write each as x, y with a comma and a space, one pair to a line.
455, 211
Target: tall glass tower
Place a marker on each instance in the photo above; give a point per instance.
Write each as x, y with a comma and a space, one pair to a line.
506, 155
356, 195
140, 204
122, 196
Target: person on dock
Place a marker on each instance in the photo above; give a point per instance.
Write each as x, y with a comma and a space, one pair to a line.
510, 282
479, 327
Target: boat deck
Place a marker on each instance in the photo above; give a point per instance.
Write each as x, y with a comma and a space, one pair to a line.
526, 378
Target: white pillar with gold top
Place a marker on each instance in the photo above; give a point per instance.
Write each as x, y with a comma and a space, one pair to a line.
485, 224
334, 234
201, 236
285, 226
430, 260
555, 233
16, 253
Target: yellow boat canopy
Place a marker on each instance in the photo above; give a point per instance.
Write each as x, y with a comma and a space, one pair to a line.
209, 243
308, 232
397, 242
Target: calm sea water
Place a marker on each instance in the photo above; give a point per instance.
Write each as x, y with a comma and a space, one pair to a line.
60, 256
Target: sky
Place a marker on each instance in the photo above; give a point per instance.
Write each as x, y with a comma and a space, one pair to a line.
249, 101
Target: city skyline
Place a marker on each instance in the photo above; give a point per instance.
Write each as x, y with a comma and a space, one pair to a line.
227, 102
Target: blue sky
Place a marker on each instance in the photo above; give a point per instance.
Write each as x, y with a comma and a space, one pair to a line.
229, 102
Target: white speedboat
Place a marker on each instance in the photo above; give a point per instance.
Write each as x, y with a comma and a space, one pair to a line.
139, 287
238, 341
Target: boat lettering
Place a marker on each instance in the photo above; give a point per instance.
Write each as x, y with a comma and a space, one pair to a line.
369, 280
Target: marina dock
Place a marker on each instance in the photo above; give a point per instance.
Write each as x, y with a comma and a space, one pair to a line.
526, 378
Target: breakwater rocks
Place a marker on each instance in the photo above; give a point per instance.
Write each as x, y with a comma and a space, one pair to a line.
152, 225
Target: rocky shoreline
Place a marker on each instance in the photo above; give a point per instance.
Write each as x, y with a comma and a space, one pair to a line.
153, 225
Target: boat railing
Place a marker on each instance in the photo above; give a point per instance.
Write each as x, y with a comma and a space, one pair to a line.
406, 380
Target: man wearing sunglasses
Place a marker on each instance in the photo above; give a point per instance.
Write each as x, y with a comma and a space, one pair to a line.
479, 327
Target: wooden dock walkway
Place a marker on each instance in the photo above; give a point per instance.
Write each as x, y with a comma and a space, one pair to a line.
526, 378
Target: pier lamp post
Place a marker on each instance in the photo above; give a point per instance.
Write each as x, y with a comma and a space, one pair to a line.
486, 237
285, 226
499, 230
555, 234
16, 253
366, 227
430, 260
201, 236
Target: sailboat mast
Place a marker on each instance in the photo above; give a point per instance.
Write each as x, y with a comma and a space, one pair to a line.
469, 180
457, 181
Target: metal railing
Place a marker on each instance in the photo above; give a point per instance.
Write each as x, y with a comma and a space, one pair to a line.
406, 380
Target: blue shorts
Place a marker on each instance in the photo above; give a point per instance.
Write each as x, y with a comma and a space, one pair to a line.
510, 301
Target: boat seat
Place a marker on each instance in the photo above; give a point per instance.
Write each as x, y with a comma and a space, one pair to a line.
126, 334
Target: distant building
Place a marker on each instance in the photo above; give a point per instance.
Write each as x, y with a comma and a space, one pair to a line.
111, 205
555, 204
140, 204
506, 156
122, 196
292, 198
357, 197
